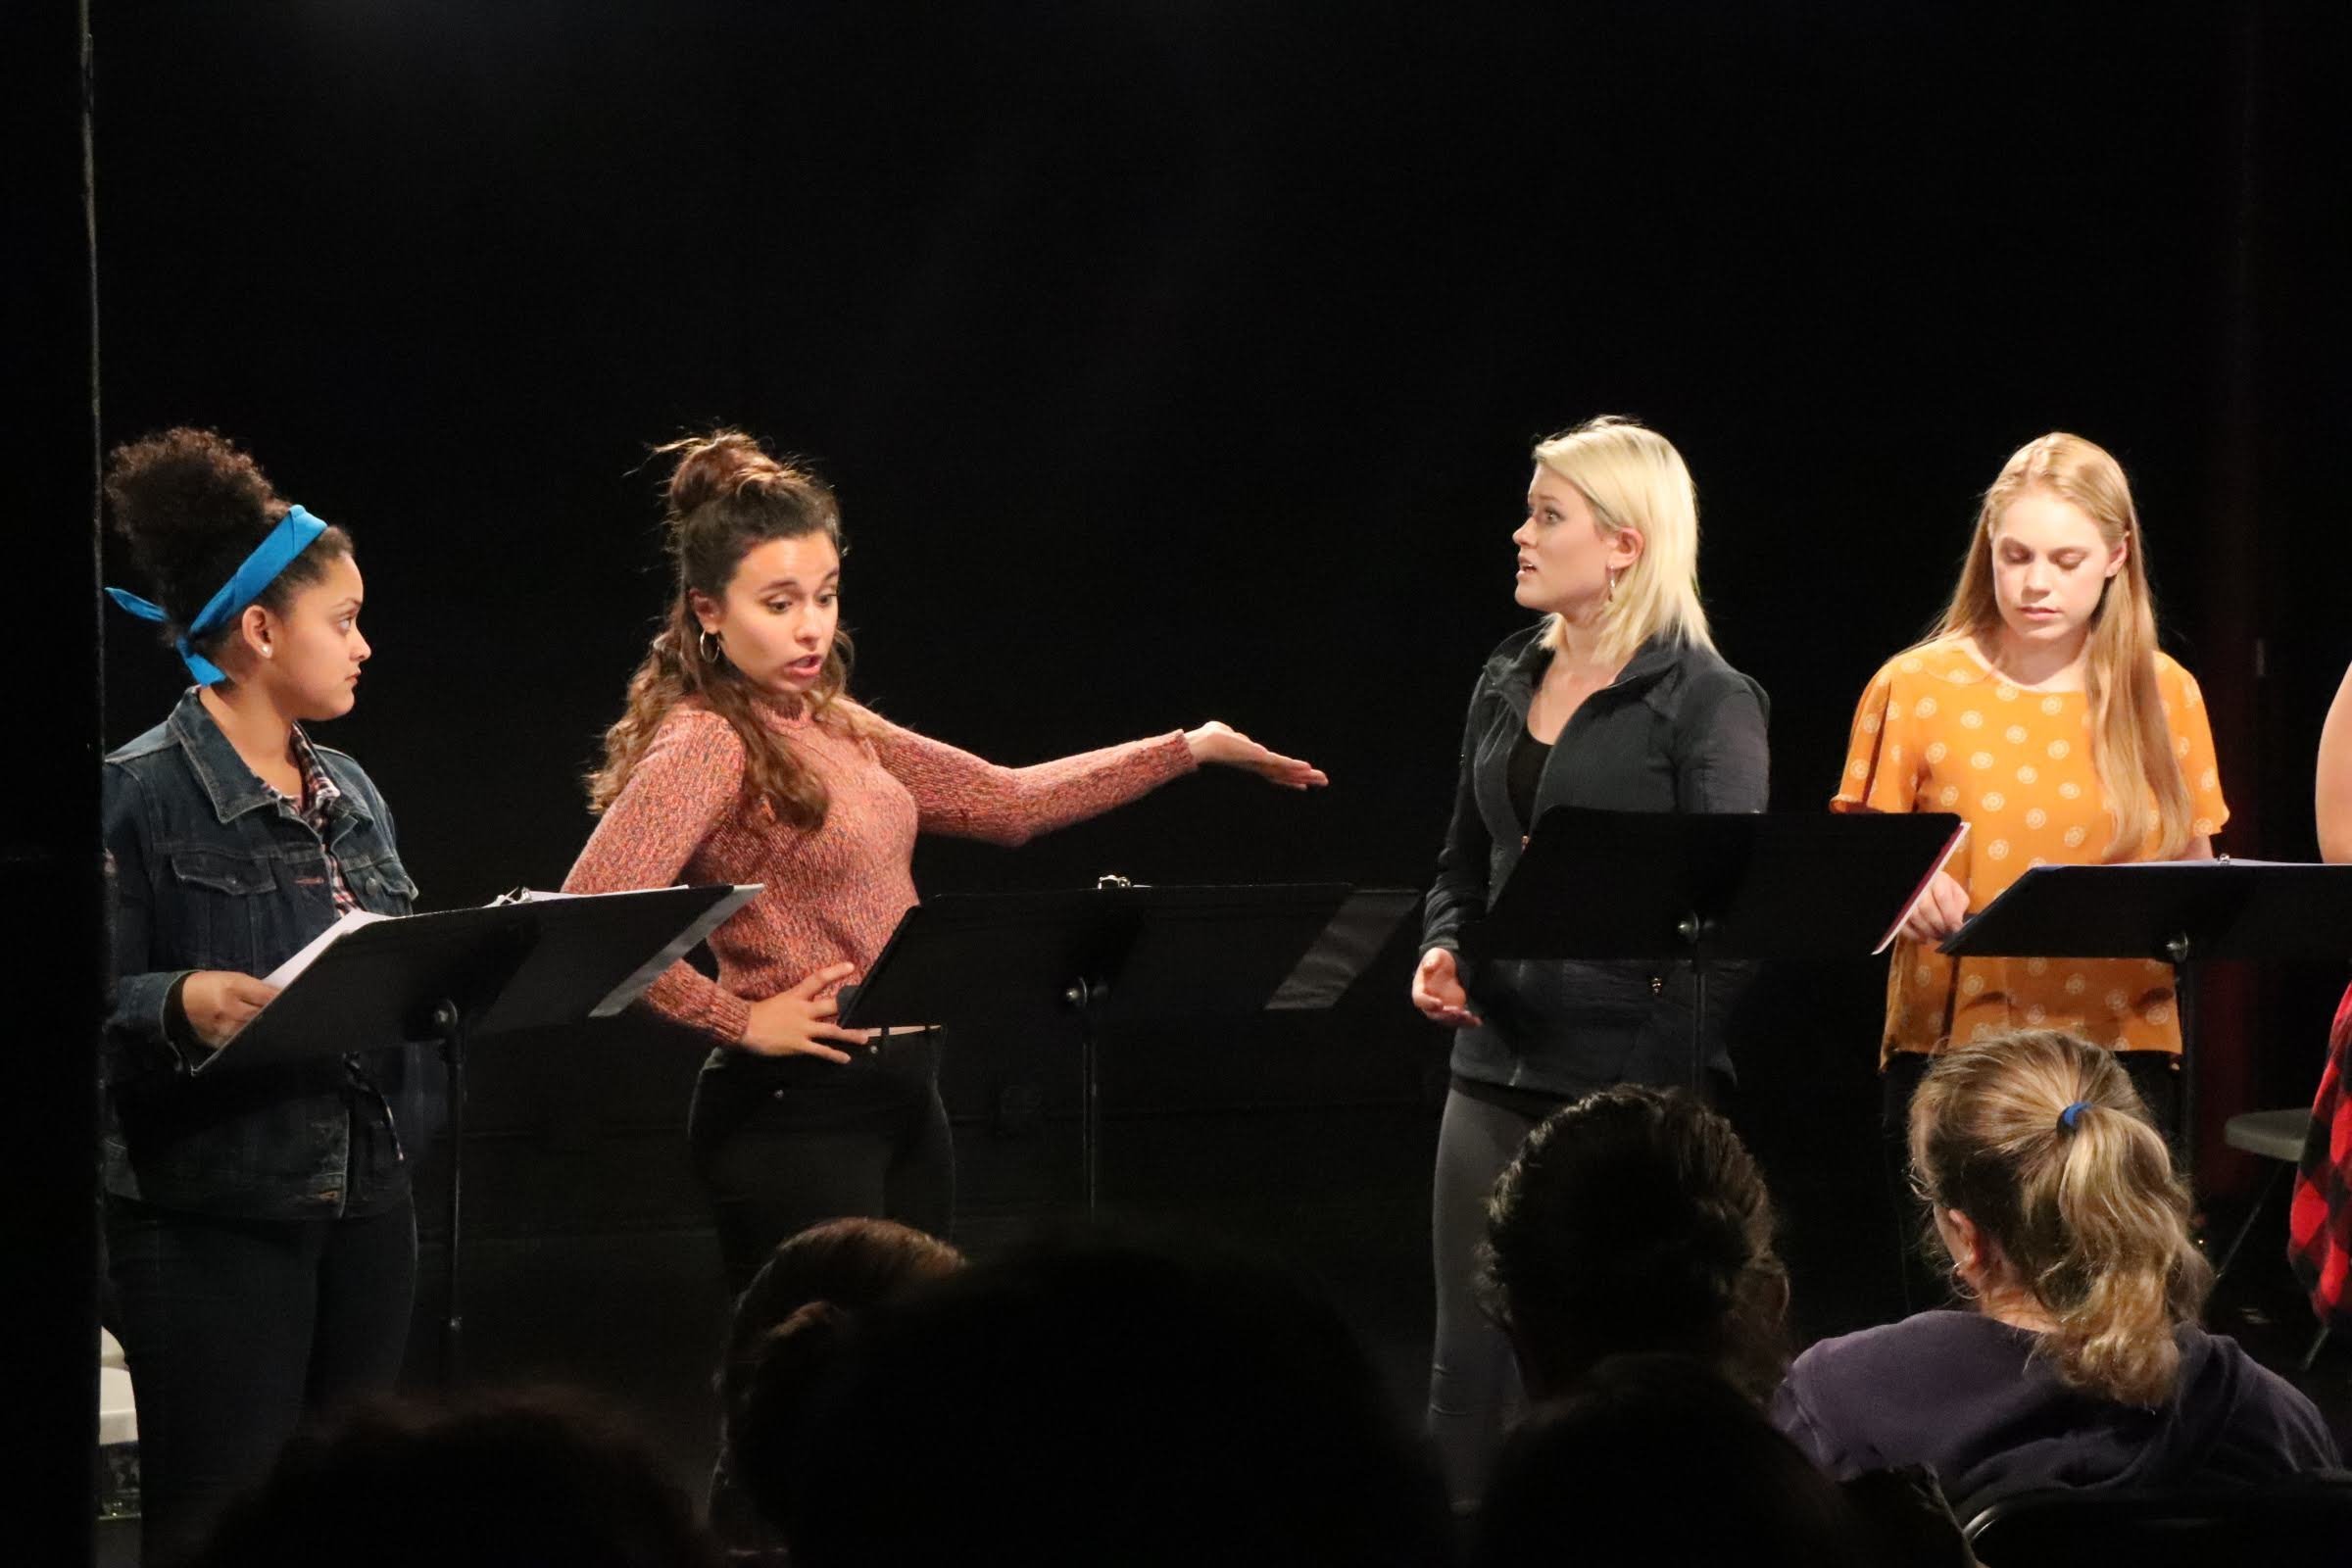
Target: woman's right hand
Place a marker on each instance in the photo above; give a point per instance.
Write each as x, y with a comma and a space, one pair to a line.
1438, 991
796, 1023
1219, 744
220, 1001
1942, 912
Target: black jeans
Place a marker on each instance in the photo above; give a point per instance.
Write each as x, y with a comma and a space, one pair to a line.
1474, 1390
2155, 1075
235, 1330
783, 1142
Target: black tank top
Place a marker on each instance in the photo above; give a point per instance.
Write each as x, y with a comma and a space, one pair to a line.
1526, 770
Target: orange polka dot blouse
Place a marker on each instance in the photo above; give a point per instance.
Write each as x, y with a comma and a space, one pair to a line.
1939, 731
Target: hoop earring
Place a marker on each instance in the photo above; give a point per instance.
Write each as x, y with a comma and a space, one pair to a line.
709, 647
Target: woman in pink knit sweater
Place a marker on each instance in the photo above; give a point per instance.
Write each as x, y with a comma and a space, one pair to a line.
742, 759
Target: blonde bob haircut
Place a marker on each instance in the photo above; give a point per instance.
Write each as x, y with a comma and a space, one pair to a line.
2132, 746
1633, 478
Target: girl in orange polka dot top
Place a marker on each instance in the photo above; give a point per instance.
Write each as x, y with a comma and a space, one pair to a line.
2042, 712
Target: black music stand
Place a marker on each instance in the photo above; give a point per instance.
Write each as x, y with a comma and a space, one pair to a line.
1710, 887
2178, 911
450, 978
1116, 954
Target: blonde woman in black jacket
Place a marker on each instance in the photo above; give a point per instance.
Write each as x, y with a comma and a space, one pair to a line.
1617, 700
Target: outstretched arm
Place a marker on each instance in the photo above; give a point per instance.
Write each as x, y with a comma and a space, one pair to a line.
970, 797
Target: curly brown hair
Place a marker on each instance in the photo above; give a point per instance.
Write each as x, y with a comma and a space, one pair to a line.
192, 507
726, 497
1634, 1220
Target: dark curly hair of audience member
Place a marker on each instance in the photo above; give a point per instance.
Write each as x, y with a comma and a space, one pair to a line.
1635, 1219
540, 1476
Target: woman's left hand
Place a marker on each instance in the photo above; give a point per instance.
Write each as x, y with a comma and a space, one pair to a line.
1220, 744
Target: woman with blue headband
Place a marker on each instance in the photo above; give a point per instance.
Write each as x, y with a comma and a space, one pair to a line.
261, 1245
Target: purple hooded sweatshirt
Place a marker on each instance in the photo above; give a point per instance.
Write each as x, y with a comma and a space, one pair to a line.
1965, 1394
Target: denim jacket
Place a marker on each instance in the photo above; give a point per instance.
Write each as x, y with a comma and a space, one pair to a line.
212, 870
1679, 730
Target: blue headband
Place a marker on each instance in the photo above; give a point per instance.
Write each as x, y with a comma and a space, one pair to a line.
2072, 1113
290, 538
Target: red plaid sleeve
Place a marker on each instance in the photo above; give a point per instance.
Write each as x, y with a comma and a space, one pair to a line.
2319, 1225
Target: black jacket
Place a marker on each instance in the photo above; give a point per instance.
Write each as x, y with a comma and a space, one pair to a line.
1680, 731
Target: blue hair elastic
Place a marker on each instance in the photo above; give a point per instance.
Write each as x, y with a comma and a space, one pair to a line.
2072, 1113
273, 555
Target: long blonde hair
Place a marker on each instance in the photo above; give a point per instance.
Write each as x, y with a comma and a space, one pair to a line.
726, 497
1632, 477
2131, 746
2089, 1216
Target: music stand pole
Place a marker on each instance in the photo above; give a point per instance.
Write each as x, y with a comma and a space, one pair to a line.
2183, 955
1033, 959
1696, 929
449, 1022
1086, 997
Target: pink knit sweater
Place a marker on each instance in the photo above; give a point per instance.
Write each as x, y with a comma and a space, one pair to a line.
833, 895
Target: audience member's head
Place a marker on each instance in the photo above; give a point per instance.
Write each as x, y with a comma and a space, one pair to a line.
792, 1323
537, 1477
2056, 1202
828, 1271
1634, 1220
1656, 1459
1096, 1400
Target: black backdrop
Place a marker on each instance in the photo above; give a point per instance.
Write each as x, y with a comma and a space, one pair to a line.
1181, 361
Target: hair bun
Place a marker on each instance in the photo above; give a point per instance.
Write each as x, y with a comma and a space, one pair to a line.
191, 506
713, 467
185, 482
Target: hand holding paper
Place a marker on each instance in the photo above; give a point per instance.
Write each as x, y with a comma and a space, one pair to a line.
1938, 908
220, 1001
285, 973
1941, 909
